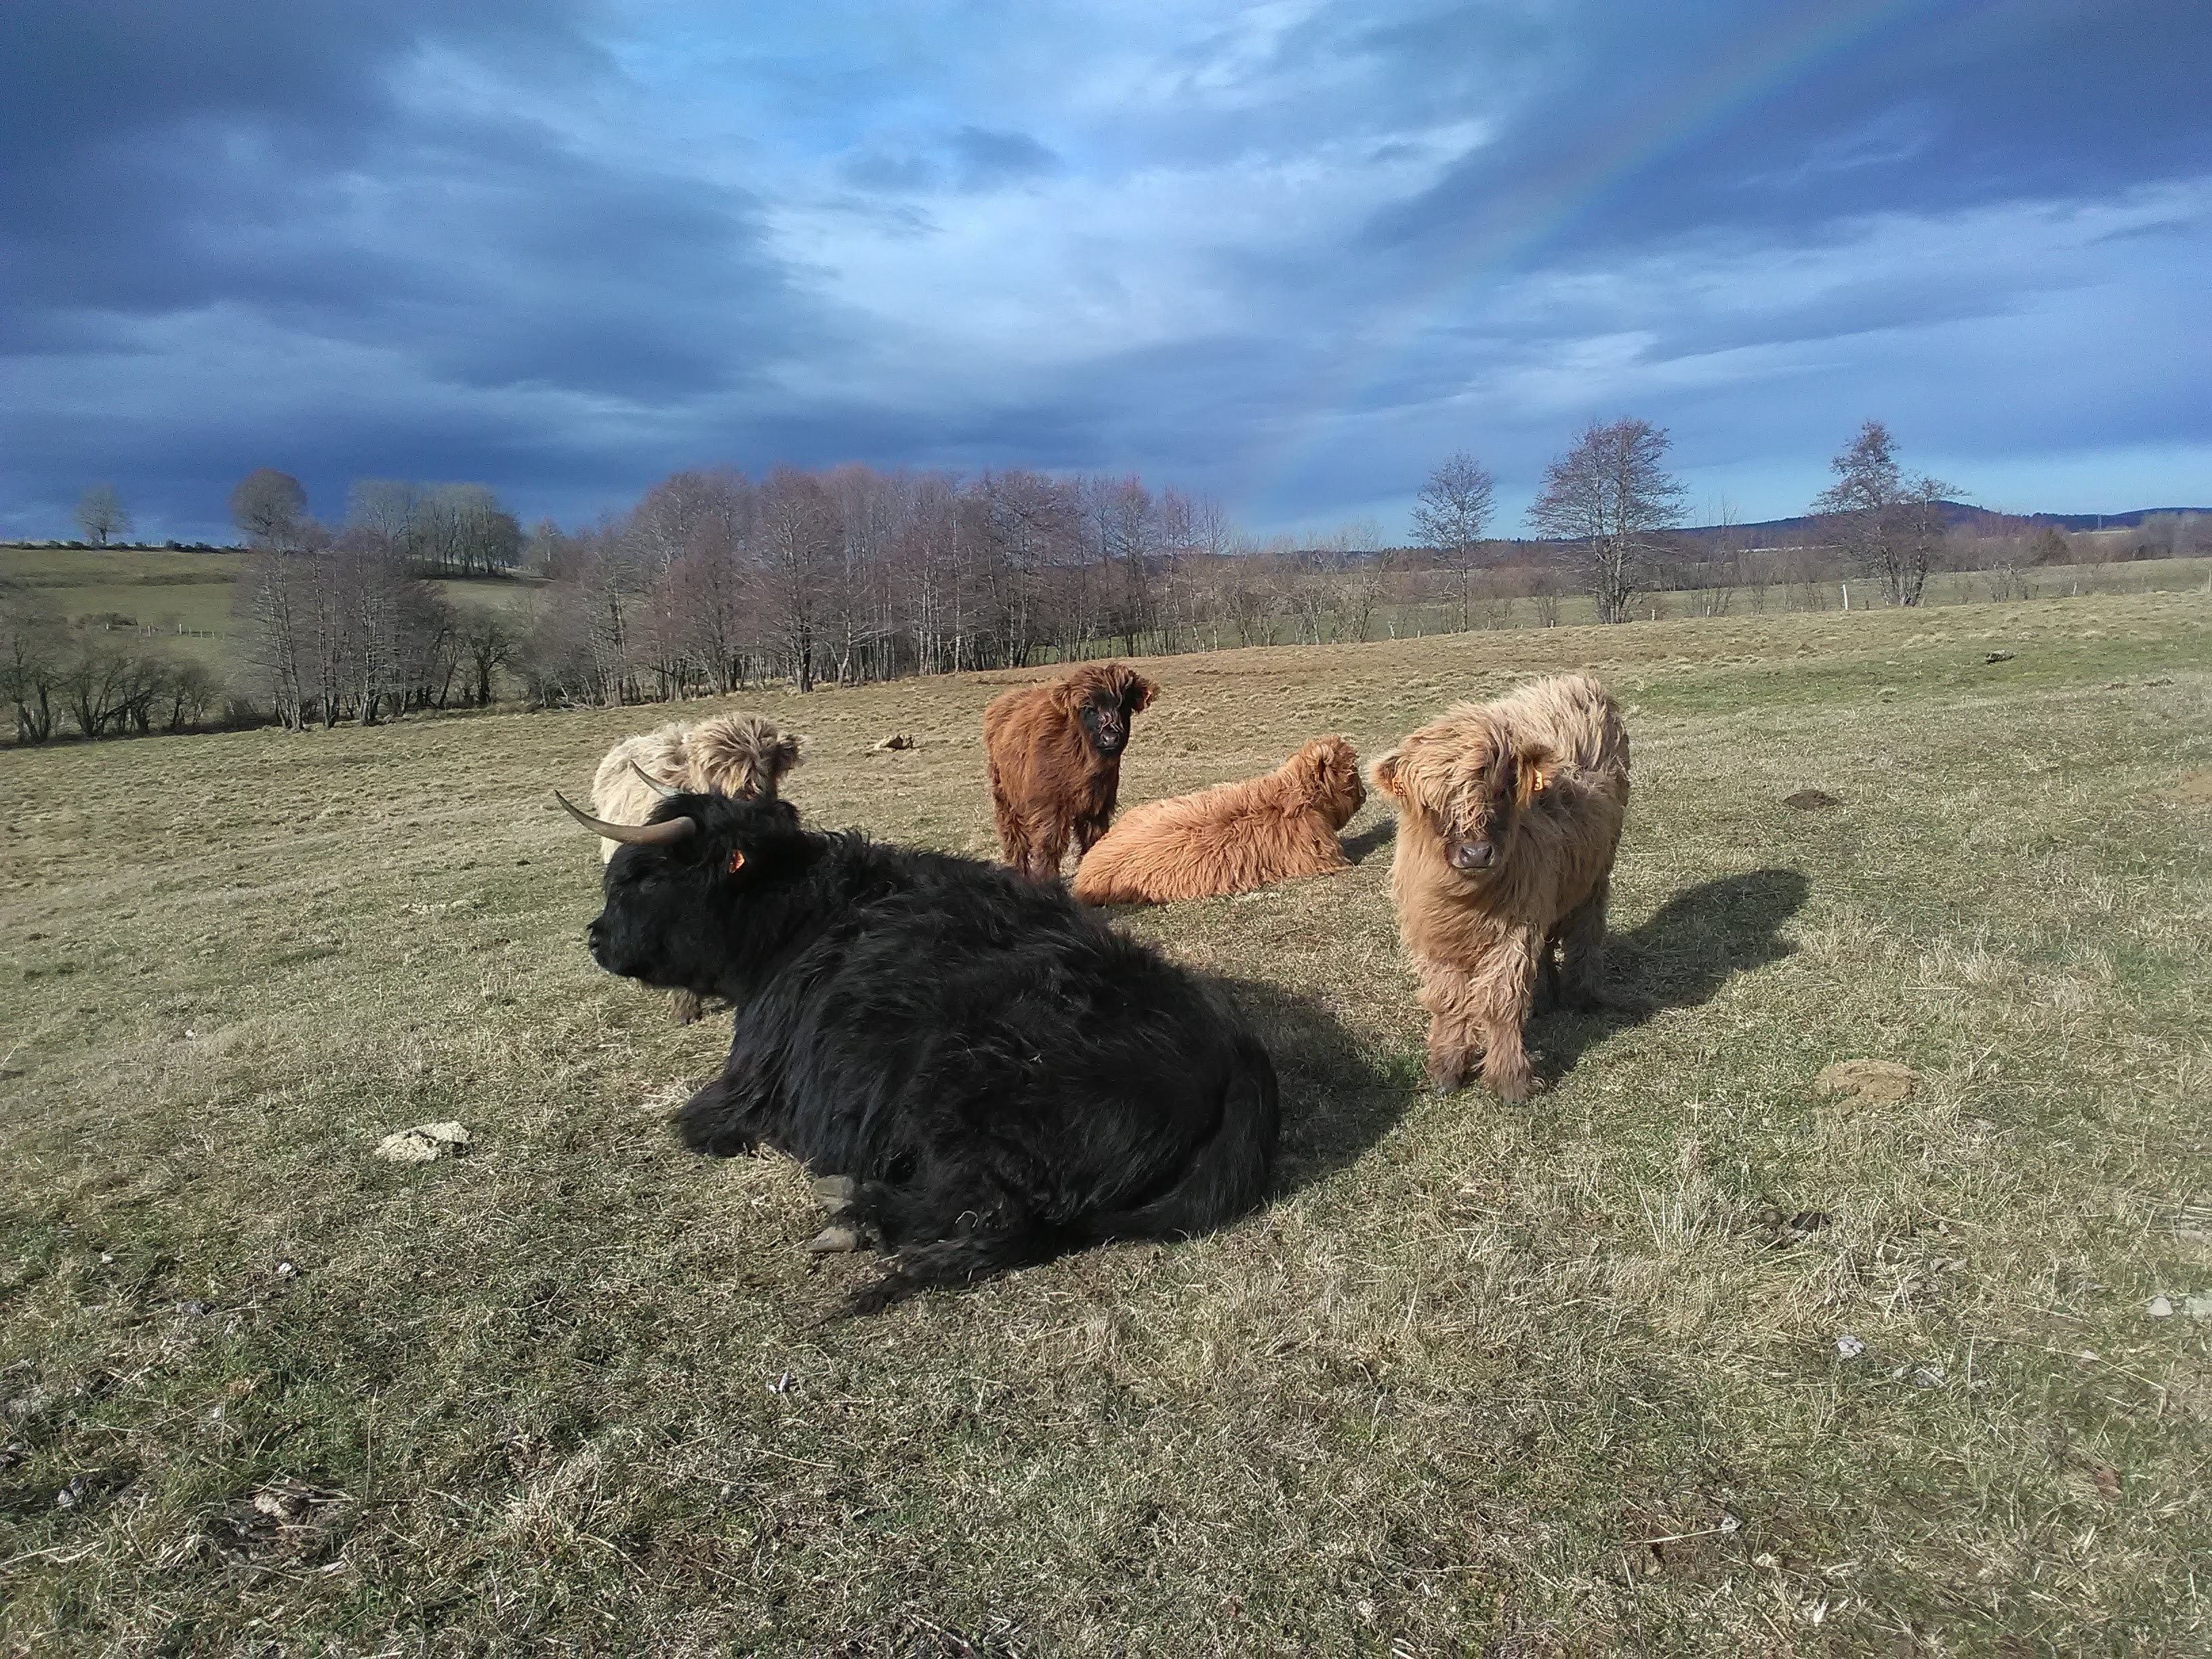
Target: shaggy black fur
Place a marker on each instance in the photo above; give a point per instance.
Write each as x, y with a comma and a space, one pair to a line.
1004, 1077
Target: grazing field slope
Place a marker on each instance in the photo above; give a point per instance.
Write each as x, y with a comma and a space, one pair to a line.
186, 600
1562, 1378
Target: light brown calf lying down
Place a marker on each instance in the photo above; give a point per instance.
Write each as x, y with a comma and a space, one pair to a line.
1231, 838
1509, 815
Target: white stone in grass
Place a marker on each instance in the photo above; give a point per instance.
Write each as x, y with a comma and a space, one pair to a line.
2197, 1307
1848, 1346
2160, 1308
422, 1143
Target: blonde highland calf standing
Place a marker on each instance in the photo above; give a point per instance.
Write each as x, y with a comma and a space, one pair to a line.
1509, 814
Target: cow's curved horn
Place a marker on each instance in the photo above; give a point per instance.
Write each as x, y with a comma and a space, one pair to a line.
655, 784
632, 835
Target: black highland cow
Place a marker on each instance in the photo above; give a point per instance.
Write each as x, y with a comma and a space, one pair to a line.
1000, 1076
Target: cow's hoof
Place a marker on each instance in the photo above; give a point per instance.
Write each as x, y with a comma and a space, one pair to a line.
833, 1241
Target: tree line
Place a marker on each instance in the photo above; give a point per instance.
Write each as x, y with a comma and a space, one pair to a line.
716, 580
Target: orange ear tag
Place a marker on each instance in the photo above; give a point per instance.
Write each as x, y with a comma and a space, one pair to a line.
1542, 784
737, 860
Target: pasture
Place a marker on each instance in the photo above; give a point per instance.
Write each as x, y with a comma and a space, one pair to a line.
1558, 1378
184, 601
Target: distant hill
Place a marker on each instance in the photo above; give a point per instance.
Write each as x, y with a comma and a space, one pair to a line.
1960, 512
1805, 527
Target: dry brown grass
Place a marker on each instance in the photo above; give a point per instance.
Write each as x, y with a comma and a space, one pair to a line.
1555, 1378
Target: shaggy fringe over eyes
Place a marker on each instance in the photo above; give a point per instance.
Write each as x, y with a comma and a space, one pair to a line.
1118, 680
1451, 783
741, 755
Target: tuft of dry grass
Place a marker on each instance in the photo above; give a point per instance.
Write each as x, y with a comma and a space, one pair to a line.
1558, 1378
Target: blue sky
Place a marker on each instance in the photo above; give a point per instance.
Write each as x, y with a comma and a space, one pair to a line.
1291, 254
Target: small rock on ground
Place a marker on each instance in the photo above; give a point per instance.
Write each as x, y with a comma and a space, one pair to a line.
896, 740
422, 1143
1998, 656
1866, 1082
1806, 800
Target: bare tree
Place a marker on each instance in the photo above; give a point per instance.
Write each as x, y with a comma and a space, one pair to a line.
267, 506
799, 536
1712, 573
1544, 586
270, 602
1887, 522
31, 631
1450, 514
1610, 494
100, 513
1368, 571
388, 509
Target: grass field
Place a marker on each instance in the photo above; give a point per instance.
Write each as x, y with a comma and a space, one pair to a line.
183, 601
1560, 1378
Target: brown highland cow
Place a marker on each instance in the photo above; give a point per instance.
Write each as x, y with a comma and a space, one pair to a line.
739, 755
1231, 838
1508, 816
1054, 756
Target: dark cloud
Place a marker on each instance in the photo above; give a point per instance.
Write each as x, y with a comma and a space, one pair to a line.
988, 158
1940, 108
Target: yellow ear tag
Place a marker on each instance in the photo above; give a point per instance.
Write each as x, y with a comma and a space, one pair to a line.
737, 860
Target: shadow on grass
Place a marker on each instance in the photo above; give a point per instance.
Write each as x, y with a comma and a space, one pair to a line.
1364, 845
1337, 1102
1691, 945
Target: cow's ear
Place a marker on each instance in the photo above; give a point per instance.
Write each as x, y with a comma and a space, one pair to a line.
1537, 763
1138, 698
1389, 775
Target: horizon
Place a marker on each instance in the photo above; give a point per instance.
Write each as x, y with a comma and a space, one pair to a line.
1289, 256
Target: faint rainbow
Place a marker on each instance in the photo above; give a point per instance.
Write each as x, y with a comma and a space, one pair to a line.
1764, 64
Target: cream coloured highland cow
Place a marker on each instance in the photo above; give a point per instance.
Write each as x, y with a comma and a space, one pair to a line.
740, 755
